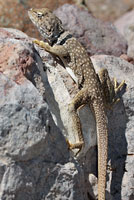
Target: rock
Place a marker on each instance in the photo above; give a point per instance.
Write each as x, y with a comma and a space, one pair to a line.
98, 37
93, 181
124, 21
107, 9
125, 26
129, 34
127, 58
34, 159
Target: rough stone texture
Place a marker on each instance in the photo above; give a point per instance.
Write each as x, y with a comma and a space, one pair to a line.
98, 37
34, 159
124, 21
109, 9
125, 26
127, 58
129, 35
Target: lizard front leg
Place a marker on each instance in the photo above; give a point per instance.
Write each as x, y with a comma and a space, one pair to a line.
57, 50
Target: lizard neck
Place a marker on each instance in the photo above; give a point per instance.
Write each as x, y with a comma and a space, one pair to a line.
61, 38
55, 37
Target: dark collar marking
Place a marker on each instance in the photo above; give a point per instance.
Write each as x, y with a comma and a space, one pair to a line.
65, 39
55, 39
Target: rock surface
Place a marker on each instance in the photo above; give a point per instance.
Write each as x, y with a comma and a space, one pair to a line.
98, 37
124, 21
125, 25
109, 9
34, 159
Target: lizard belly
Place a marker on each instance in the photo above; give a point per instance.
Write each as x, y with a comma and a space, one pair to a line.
71, 73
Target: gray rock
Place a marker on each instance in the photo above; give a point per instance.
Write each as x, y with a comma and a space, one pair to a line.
34, 159
129, 34
124, 21
98, 37
125, 26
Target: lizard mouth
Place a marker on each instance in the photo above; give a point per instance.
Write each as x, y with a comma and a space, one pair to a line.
31, 15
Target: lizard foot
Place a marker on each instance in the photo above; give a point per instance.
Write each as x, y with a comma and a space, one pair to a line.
116, 90
78, 145
110, 88
74, 146
42, 44
116, 87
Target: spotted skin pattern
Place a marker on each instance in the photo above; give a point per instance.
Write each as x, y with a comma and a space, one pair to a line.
92, 87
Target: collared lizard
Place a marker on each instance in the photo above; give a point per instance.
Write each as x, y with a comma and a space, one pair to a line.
96, 91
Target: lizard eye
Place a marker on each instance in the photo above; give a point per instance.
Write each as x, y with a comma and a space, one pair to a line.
40, 15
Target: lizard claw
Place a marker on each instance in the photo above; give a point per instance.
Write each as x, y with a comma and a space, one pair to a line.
74, 146
36, 42
78, 146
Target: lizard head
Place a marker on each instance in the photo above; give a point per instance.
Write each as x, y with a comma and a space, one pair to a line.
47, 23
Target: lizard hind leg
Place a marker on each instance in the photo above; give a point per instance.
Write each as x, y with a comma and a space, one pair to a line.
78, 101
110, 88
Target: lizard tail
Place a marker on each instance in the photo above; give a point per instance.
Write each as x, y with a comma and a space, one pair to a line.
102, 138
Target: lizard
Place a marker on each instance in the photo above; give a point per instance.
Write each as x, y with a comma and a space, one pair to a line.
94, 89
